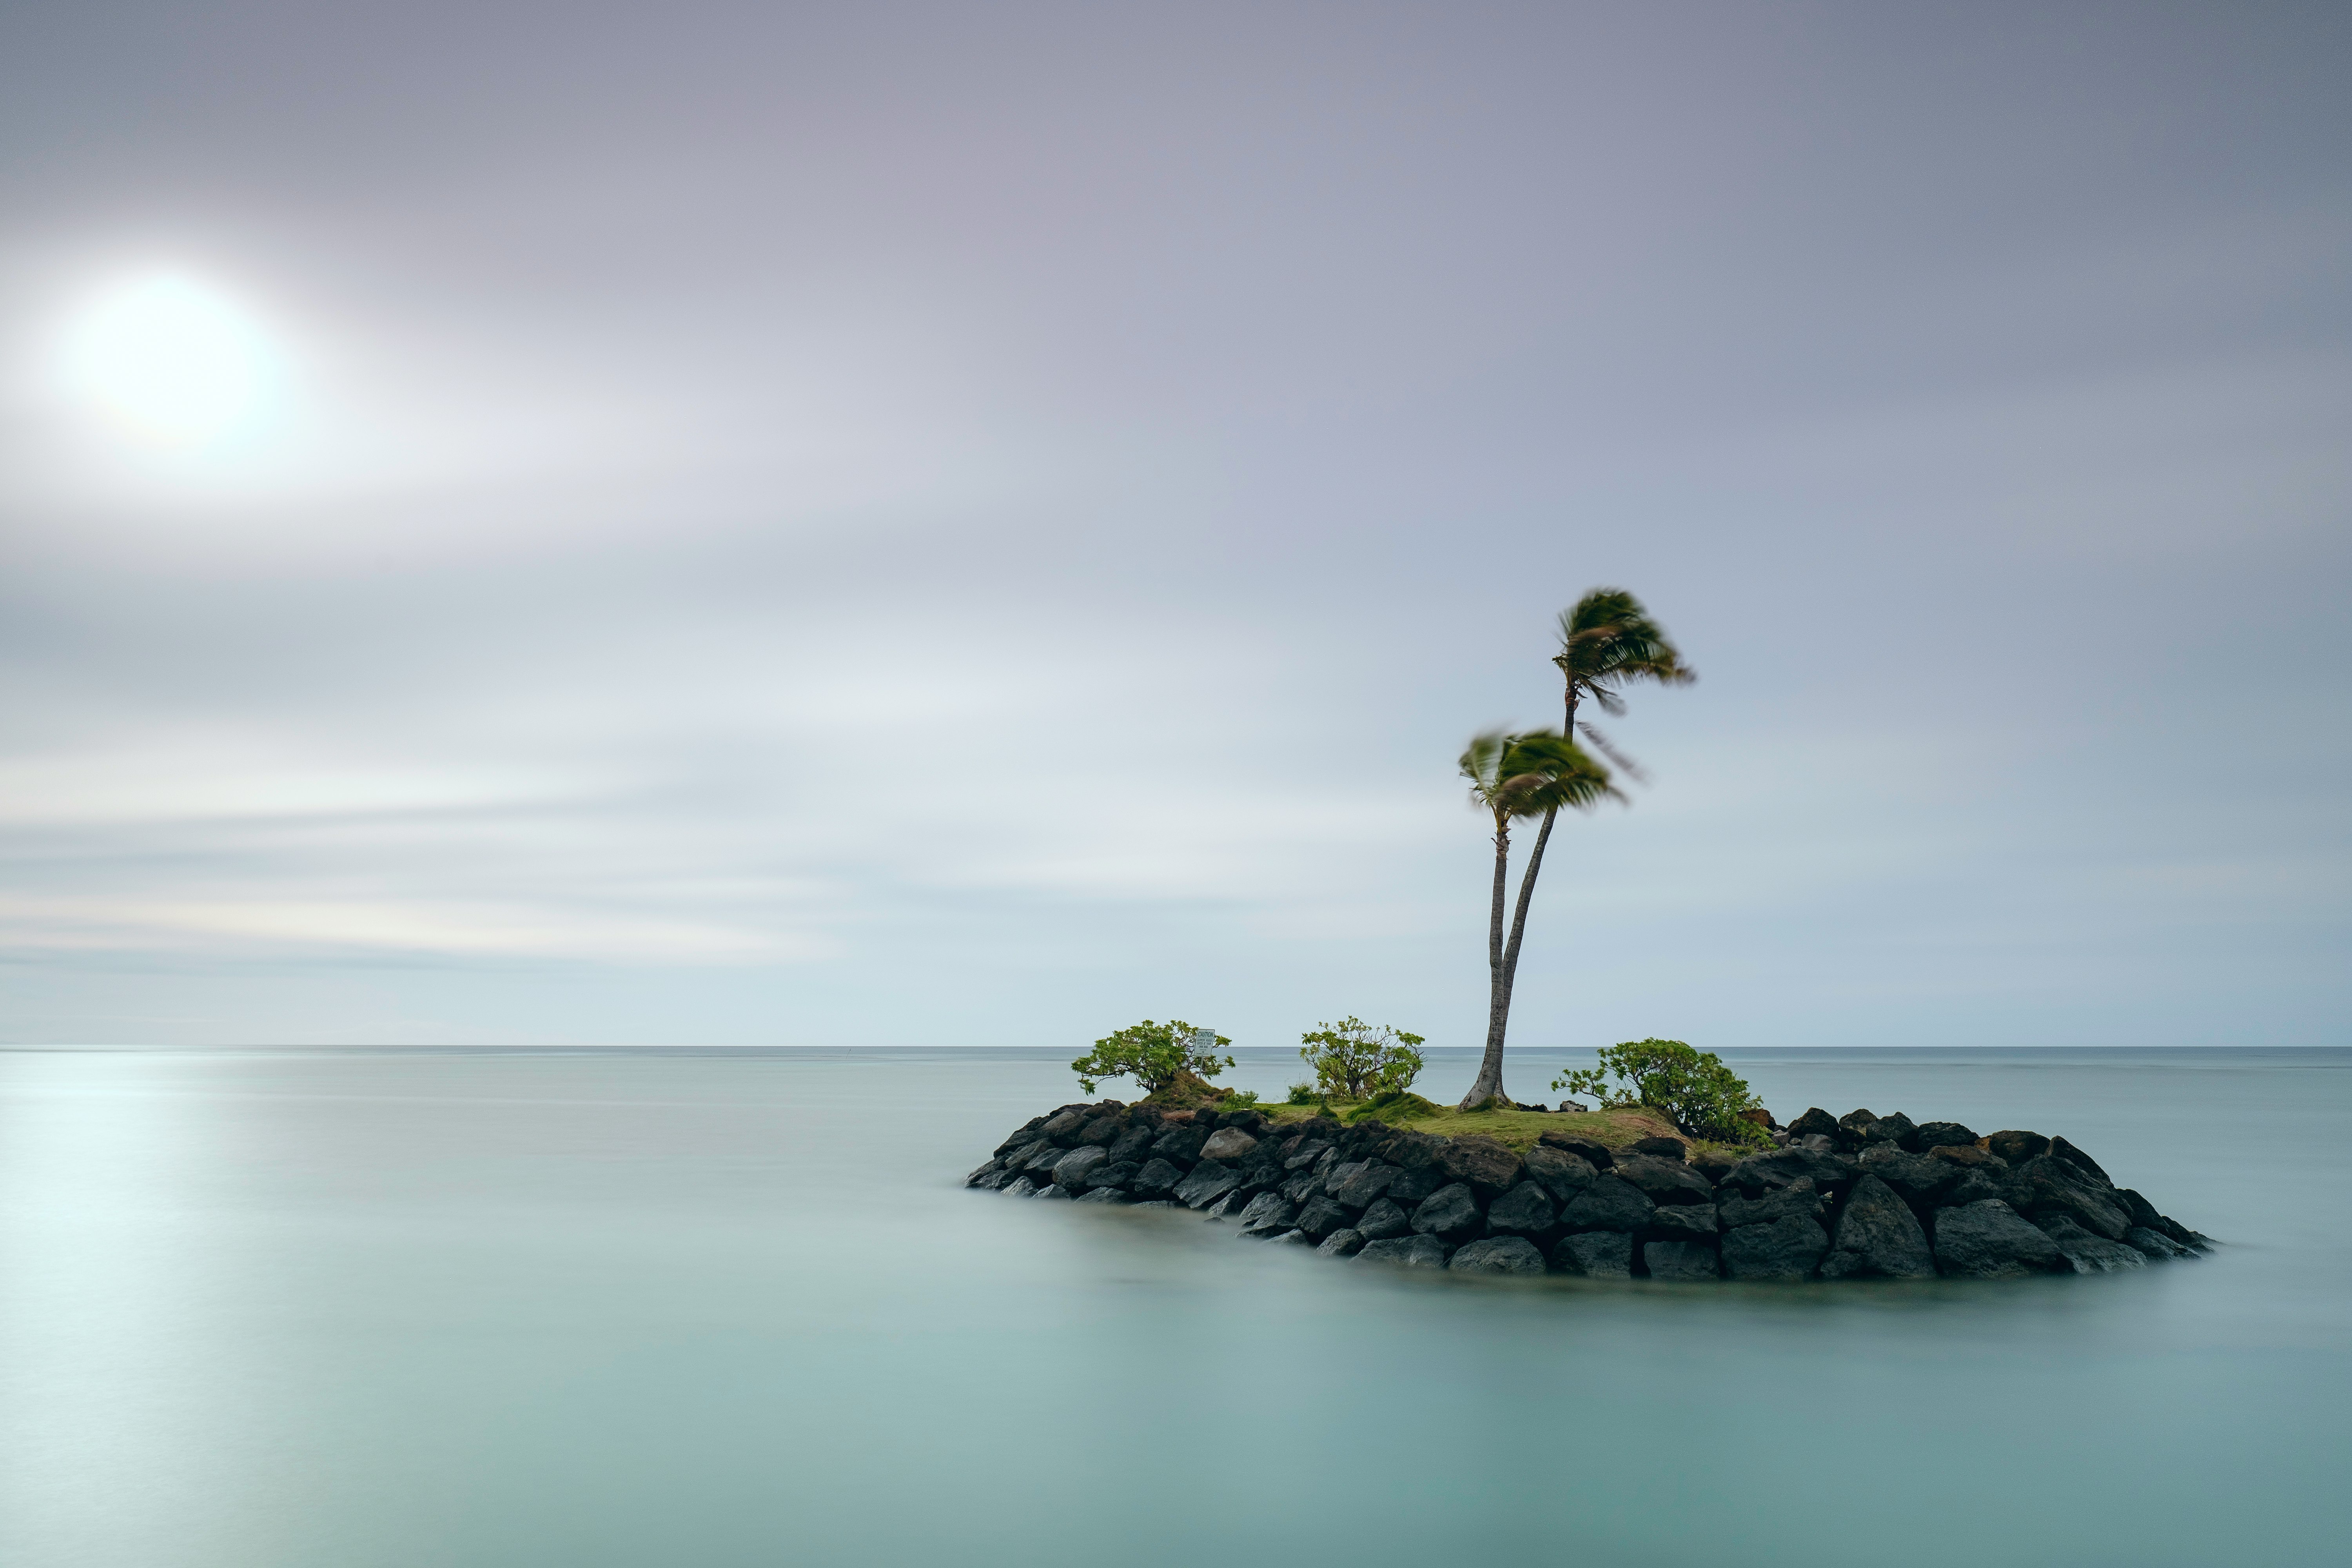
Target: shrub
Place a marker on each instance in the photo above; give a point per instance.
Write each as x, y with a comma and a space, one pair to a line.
1302, 1094
1153, 1054
1392, 1105
1238, 1099
1691, 1089
1353, 1060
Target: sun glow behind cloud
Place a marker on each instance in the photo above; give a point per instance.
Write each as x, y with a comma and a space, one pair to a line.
170, 362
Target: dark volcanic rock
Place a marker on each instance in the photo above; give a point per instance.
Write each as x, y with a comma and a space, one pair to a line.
1207, 1183
1074, 1169
1451, 1211
1269, 1213
1499, 1255
1660, 1148
1156, 1180
1044, 1159
1898, 1127
1063, 1127
1596, 1255
1934, 1134
1609, 1203
1180, 1145
1857, 1127
2155, 1244
1407, 1251
1102, 1130
2014, 1146
1798, 1198
2090, 1254
1919, 1179
1369, 1181
1321, 1216
1523, 1211
1787, 1249
1826, 1169
1111, 1174
1028, 1133
1681, 1261
1416, 1183
1485, 1165
1105, 1196
1383, 1220
1228, 1146
1341, 1244
1227, 1205
1132, 1142
977, 1177
1294, 1239
1558, 1171
1713, 1164
1989, 1240
1664, 1180
1021, 1187
1684, 1221
1303, 1151
2050, 1185
1060, 1194
2062, 1150
1812, 1122
1879, 1235
1597, 1155
1302, 1185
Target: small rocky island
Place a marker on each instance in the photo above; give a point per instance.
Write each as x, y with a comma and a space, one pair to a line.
1857, 1196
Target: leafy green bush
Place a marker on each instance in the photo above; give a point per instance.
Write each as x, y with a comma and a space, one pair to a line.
1392, 1105
1691, 1089
1353, 1060
1238, 1099
1302, 1094
1153, 1054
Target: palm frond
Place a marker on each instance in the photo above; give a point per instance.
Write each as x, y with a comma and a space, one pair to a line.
1603, 744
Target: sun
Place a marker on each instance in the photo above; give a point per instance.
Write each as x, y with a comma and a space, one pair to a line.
170, 360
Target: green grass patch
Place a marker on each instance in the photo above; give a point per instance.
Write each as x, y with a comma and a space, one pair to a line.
1515, 1129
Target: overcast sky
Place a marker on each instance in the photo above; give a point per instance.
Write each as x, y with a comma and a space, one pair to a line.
898, 525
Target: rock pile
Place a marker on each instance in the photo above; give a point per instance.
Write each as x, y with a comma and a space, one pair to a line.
1858, 1196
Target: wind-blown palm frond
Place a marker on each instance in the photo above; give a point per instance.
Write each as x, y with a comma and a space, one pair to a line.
1607, 641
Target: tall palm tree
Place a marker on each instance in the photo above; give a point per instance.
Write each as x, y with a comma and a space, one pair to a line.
1518, 777
1607, 641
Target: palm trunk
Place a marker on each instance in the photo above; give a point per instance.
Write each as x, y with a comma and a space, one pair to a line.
1490, 1081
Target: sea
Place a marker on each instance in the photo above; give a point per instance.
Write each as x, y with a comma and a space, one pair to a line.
702, 1309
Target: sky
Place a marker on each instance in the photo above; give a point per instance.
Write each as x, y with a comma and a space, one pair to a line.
914, 525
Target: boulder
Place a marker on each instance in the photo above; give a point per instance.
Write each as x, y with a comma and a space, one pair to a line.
1383, 1220
2143, 1214
1898, 1127
2155, 1244
1524, 1210
1063, 1127
1025, 1133
1269, 1213
1918, 1179
1104, 1195
1228, 1146
1111, 1174
1161, 1204
1660, 1148
1302, 1185
1133, 1144
1413, 1183
1489, 1167
1826, 1169
1156, 1180
1595, 1254
1231, 1202
992, 1168
1321, 1216
1599, 1156
1684, 1221
1814, 1122
1682, 1261
1498, 1255
1303, 1151
1932, 1133
1074, 1169
1061, 1194
1180, 1145
1856, 1129
2048, 1185
1102, 1130
1021, 1187
1451, 1211
2014, 1146
1664, 1180
1558, 1171
1798, 1198
1405, 1251
1788, 1248
1294, 1239
1609, 1203
2088, 1253
1207, 1183
1877, 1235
1042, 1162
2062, 1150
1713, 1164
1366, 1183
1341, 1244
1989, 1240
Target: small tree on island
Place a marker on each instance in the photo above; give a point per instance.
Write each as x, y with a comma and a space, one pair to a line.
1353, 1060
1691, 1089
1154, 1055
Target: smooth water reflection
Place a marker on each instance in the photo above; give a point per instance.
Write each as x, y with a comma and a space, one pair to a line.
361, 1308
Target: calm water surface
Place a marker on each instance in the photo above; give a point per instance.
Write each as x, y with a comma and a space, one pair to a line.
343, 1310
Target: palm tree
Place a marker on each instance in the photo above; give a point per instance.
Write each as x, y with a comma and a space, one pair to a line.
1516, 777
1606, 642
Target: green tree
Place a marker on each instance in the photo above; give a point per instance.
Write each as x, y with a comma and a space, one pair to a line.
1355, 1061
1153, 1054
1691, 1089
1516, 777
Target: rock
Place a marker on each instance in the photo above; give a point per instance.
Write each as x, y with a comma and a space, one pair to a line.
1022, 1187
1111, 1174
1932, 1133
1364, 1185
1787, 1249
1815, 1122
1573, 1105
2155, 1244
1102, 1130
1303, 1151
1269, 1213
1597, 1155
992, 1168
1898, 1127
1713, 1164
1131, 1145
2062, 1150
1684, 1221
2088, 1253
1989, 1240
2014, 1146
1321, 1216
1826, 1169
1412, 1185
1682, 1261
2143, 1214
1858, 1128
1232, 1203
1797, 1198
1405, 1251
1180, 1145
1302, 1185
1609, 1203
1451, 1211
1524, 1210
1025, 1133
1209, 1182
1058, 1193
1156, 1180
1661, 1148
1161, 1204
1042, 1162
1558, 1171
1074, 1169
1664, 1180
1228, 1146
1341, 1244
1498, 1255
1595, 1254
1877, 1235
1917, 1179
1382, 1220
1294, 1239
2048, 1185
1104, 1195
1489, 1167
1062, 1128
